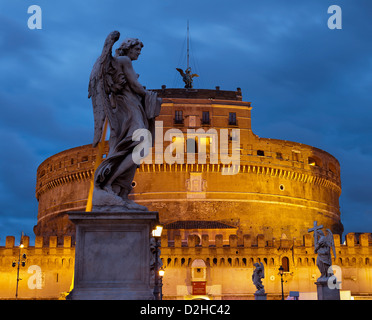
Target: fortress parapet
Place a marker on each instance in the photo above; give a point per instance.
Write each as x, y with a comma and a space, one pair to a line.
53, 264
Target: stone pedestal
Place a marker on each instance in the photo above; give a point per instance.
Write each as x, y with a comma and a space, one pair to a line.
327, 293
260, 296
112, 255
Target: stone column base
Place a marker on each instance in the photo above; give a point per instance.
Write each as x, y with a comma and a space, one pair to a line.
260, 296
326, 293
112, 255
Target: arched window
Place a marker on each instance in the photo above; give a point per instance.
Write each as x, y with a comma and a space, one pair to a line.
272, 262
189, 262
236, 264
285, 264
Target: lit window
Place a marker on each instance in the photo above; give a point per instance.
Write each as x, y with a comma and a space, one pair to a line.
313, 161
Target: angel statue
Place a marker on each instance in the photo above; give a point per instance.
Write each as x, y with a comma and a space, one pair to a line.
323, 244
187, 77
258, 274
130, 110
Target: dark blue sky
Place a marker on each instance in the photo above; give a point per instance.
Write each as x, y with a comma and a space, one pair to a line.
307, 83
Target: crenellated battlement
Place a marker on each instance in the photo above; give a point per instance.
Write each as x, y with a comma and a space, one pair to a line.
354, 243
52, 243
356, 250
51, 260
352, 240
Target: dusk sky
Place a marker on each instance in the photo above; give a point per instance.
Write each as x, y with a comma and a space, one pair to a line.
307, 83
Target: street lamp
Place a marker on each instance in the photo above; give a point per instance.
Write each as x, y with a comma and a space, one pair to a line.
156, 233
281, 272
21, 262
161, 275
161, 272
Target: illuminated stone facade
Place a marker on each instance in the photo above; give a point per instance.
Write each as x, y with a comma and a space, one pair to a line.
281, 187
228, 221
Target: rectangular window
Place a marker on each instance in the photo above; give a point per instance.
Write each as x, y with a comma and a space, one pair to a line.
178, 117
232, 119
295, 156
279, 155
205, 119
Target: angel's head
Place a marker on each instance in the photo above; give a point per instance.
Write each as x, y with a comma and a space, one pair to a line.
130, 47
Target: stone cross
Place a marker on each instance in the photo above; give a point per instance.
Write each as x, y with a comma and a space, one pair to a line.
315, 229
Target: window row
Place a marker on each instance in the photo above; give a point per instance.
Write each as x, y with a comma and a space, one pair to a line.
178, 118
311, 161
236, 262
64, 164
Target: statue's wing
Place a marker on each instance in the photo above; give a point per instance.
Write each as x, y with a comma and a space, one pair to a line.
100, 86
331, 242
263, 270
180, 71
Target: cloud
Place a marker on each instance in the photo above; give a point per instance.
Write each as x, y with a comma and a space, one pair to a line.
306, 83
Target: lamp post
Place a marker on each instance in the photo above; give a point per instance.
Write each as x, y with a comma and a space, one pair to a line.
281, 272
20, 262
161, 275
156, 233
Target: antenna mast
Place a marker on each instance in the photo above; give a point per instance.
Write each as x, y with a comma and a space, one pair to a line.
187, 75
188, 45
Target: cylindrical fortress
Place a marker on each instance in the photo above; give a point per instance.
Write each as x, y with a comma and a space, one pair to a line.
277, 188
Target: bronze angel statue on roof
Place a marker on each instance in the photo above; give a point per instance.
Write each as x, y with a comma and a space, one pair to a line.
130, 111
187, 77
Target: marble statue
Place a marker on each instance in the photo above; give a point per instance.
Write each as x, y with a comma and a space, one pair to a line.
323, 245
258, 274
118, 97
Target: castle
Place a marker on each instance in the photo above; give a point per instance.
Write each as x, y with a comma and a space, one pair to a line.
219, 219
